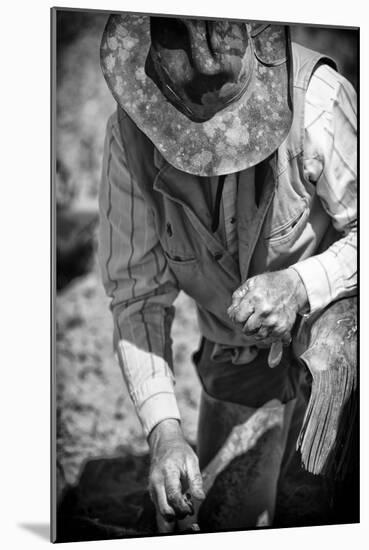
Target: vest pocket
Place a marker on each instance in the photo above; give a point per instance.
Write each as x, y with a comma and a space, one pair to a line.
186, 271
290, 230
179, 260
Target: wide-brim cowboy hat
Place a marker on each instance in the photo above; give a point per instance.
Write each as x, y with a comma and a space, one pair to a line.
242, 134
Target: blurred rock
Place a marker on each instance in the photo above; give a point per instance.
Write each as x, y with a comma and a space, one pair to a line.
75, 243
84, 102
65, 186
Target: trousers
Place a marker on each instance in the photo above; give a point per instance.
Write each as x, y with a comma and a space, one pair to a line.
244, 495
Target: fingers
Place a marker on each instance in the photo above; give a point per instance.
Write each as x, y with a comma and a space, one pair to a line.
167, 490
244, 310
238, 298
194, 478
245, 300
179, 502
239, 294
253, 325
159, 497
267, 327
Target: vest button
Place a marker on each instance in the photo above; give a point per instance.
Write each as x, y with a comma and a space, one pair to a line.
218, 256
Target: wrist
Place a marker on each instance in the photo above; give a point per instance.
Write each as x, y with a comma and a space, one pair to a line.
300, 292
167, 428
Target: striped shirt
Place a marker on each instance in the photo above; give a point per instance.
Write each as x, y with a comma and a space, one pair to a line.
135, 272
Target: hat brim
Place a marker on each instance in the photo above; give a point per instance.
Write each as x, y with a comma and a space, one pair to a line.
237, 137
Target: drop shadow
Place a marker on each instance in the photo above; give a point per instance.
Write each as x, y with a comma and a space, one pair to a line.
42, 530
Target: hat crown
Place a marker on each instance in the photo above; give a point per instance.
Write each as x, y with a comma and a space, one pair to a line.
200, 66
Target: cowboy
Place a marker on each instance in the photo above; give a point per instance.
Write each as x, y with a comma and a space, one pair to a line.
230, 173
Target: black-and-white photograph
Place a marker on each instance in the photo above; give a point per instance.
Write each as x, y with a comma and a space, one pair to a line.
205, 210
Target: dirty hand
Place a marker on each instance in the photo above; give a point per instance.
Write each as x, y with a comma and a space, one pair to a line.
267, 306
174, 474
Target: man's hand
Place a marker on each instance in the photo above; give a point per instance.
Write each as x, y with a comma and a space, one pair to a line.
267, 306
174, 473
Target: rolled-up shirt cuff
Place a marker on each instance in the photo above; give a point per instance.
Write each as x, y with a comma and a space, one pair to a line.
152, 395
156, 408
315, 276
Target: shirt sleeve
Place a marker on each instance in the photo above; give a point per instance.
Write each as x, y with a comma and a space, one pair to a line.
330, 161
141, 287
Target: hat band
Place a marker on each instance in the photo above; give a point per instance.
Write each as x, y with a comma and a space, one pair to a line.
275, 63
